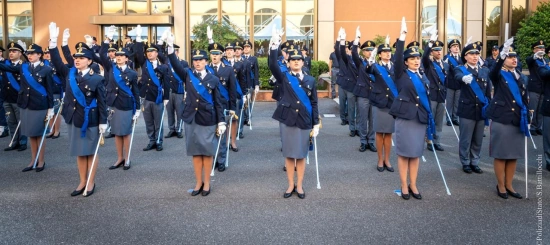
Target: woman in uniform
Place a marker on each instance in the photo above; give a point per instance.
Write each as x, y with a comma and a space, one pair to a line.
412, 112
122, 98
84, 110
296, 112
510, 117
203, 111
58, 88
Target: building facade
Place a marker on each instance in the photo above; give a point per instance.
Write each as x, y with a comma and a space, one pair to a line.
313, 23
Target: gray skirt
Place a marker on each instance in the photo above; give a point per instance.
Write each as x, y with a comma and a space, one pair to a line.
295, 141
382, 121
200, 140
507, 142
32, 122
82, 146
409, 138
121, 122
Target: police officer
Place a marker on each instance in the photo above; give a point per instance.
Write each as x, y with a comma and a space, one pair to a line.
242, 66
347, 77
155, 87
436, 71
475, 95
203, 115
4, 130
544, 73
57, 90
69, 57
240, 75
254, 67
297, 113
122, 97
492, 60
334, 68
535, 85
85, 111
362, 92
175, 106
307, 60
10, 90
453, 86
510, 118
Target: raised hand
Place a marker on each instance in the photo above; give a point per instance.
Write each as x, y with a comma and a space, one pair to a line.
170, 40
373, 55
22, 44
357, 36
209, 34
111, 32
468, 42
138, 33
387, 39
433, 37
89, 40
66, 36
343, 35
403, 26
506, 48
54, 31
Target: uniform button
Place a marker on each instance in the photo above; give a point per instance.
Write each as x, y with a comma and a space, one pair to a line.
196, 109
116, 94
117, 88
387, 88
513, 101
296, 110
417, 105
28, 87
298, 102
476, 104
197, 100
27, 94
74, 99
387, 95
513, 109
74, 108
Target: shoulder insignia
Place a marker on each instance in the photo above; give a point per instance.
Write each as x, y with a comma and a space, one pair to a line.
20, 62
91, 72
41, 63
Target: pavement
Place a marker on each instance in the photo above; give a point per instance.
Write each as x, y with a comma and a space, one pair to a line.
150, 203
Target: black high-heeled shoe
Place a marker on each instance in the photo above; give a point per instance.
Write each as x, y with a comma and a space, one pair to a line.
235, 149
196, 192
205, 193
77, 192
127, 166
56, 136
89, 193
27, 169
39, 169
405, 196
502, 195
117, 165
514, 194
390, 169
416, 196
301, 195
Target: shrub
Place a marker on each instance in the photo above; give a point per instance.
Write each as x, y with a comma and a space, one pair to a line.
533, 28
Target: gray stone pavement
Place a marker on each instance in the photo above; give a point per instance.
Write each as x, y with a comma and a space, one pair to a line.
149, 203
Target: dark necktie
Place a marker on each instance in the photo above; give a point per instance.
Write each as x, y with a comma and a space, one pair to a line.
197, 74
215, 70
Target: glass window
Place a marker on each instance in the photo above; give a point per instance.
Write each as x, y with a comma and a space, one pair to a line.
136, 7
16, 7
266, 17
239, 24
112, 6
131, 31
428, 19
518, 14
298, 6
203, 6
300, 29
454, 20
236, 6
276, 5
492, 21
161, 6
116, 37
20, 20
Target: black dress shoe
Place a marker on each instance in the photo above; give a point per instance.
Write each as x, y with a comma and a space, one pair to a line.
476, 169
467, 169
12, 147
5, 133
39, 169
241, 135
180, 135
533, 132
455, 122
416, 196
22, 147
301, 195
514, 194
235, 149
430, 147
363, 147
352, 133
27, 169
246, 122
170, 134
89, 193
438, 147
221, 167
372, 147
449, 124
159, 147
357, 133
405, 196
150, 146
344, 122
110, 135
380, 169
117, 165
77, 192
205, 193
49, 136
502, 195
56, 136
196, 192
390, 169
127, 166
539, 131
287, 195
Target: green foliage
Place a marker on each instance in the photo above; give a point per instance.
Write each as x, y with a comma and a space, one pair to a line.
379, 39
533, 28
222, 34
318, 67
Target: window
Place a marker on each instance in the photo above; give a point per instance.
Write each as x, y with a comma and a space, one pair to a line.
130, 7
136, 7
454, 20
19, 20
161, 6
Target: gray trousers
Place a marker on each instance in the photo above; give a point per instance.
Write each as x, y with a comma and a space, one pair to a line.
174, 109
222, 153
438, 111
535, 103
343, 100
334, 73
351, 104
471, 138
13, 120
3, 119
364, 120
452, 103
151, 115
546, 140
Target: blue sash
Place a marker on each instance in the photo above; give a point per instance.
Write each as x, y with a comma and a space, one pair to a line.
514, 89
300, 93
439, 72
387, 78
31, 81
199, 88
122, 85
282, 66
239, 90
155, 80
424, 101
56, 79
11, 79
540, 63
452, 60
223, 89
81, 99
372, 77
477, 91
180, 82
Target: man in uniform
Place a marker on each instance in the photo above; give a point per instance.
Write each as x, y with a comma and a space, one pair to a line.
453, 86
364, 107
4, 131
254, 67
492, 60
249, 85
307, 60
535, 85
333, 70
175, 106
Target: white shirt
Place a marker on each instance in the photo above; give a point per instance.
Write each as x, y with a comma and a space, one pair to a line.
386, 64
202, 73
154, 63
36, 64
122, 67
300, 75
85, 71
217, 66
15, 62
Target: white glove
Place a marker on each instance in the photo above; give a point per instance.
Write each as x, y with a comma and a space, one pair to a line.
165, 35
468, 42
50, 114
66, 36
22, 44
89, 40
209, 35
403, 32
433, 37
256, 89
276, 37
315, 130
506, 48
54, 31
165, 102
539, 54
170, 43
244, 100
387, 41
339, 37
232, 113
373, 55
102, 128
136, 115
357, 36
467, 79
221, 128
111, 32
138, 33
343, 35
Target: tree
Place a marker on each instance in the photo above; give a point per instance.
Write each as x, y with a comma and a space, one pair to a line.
222, 34
533, 28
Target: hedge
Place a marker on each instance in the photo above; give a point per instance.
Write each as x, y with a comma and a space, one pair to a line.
318, 67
